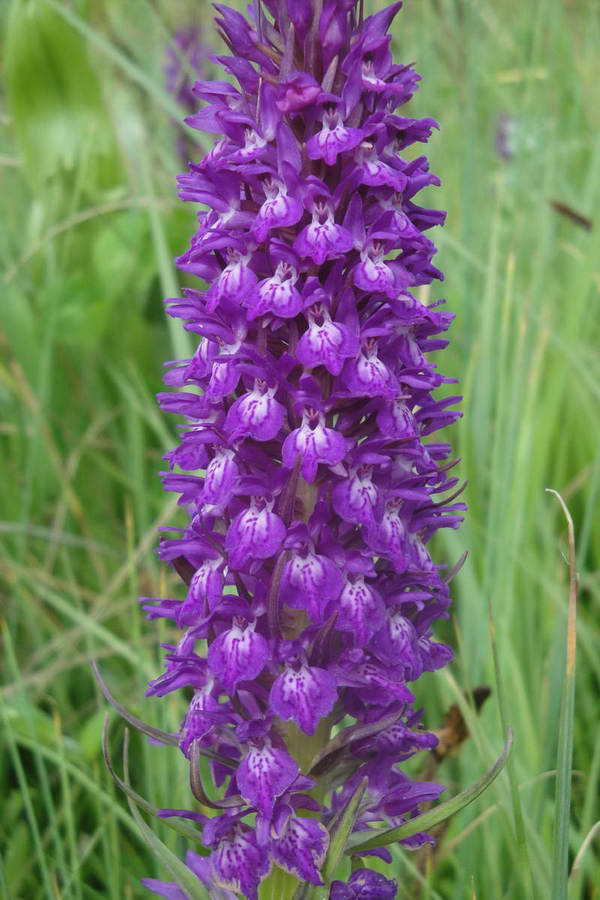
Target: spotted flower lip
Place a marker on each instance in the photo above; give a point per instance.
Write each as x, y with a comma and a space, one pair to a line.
309, 460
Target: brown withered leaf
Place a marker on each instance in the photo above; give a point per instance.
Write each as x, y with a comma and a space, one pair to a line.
563, 209
454, 731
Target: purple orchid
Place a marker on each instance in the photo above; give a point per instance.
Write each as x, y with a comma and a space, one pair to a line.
305, 463
364, 885
186, 60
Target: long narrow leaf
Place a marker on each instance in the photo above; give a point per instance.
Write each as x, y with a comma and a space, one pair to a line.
138, 724
341, 831
181, 827
184, 877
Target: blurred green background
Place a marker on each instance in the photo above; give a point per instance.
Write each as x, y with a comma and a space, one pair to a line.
88, 156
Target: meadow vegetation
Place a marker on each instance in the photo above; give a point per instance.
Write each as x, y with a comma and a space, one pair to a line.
88, 155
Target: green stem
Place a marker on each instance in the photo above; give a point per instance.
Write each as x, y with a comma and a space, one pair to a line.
278, 885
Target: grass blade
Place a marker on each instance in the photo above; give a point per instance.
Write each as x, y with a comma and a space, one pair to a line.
564, 763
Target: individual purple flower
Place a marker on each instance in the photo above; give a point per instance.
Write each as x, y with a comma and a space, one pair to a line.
237, 862
305, 694
309, 463
323, 238
238, 654
334, 137
278, 209
361, 610
314, 443
256, 415
368, 375
310, 581
256, 533
264, 774
356, 498
364, 884
300, 848
278, 294
219, 481
325, 343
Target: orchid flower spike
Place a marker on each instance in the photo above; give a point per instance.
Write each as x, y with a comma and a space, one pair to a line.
308, 462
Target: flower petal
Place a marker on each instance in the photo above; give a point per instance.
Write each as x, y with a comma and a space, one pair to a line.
256, 533
238, 863
305, 695
238, 654
301, 848
364, 884
264, 774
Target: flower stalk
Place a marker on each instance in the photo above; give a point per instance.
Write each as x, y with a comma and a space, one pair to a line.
306, 462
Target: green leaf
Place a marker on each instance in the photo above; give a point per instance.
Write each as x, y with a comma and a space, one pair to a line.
183, 828
367, 840
339, 832
155, 733
184, 877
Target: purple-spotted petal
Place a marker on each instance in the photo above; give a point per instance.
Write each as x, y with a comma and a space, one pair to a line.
237, 280
355, 498
238, 863
278, 294
323, 239
204, 591
238, 654
201, 866
219, 482
315, 443
396, 420
256, 533
278, 210
256, 415
264, 774
360, 610
333, 138
301, 848
203, 713
396, 644
372, 274
389, 536
368, 376
325, 343
304, 695
309, 582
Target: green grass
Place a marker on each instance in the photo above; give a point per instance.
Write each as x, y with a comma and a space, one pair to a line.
90, 224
